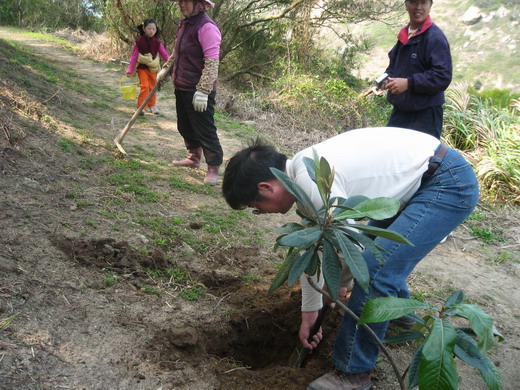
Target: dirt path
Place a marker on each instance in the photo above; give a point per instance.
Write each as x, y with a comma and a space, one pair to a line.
73, 331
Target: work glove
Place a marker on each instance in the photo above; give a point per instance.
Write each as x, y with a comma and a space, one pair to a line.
162, 74
200, 101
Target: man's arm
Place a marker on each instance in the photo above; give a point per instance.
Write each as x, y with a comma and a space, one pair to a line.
438, 77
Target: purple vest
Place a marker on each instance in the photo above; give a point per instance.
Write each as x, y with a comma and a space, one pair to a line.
189, 58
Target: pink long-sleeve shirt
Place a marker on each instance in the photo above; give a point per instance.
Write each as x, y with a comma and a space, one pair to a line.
135, 53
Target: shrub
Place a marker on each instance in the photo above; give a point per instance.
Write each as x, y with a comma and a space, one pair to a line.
489, 134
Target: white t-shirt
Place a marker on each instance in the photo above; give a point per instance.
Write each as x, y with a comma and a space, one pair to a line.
374, 162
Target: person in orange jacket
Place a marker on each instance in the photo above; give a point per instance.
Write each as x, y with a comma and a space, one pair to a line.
146, 55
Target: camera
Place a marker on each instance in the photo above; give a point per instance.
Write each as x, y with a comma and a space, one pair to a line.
381, 79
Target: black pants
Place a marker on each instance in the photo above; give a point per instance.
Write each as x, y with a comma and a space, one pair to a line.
427, 121
198, 128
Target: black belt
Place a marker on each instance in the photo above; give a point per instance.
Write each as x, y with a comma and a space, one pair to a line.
434, 162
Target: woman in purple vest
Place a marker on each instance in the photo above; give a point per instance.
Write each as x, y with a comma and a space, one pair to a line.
195, 70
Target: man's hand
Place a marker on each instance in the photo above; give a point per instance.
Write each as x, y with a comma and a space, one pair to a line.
162, 74
308, 320
200, 101
382, 86
397, 85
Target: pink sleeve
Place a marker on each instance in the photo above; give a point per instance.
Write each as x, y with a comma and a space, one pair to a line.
210, 38
163, 53
133, 60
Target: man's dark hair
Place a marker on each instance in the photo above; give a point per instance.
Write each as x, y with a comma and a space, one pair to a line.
246, 169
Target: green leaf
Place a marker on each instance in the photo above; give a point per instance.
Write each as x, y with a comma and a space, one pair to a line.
443, 336
302, 238
327, 179
388, 308
455, 298
283, 272
480, 322
312, 268
377, 208
439, 374
497, 334
288, 228
307, 220
491, 375
309, 164
349, 214
295, 190
413, 370
404, 337
467, 350
388, 234
340, 203
331, 269
353, 259
323, 189
364, 241
300, 265
437, 367
417, 319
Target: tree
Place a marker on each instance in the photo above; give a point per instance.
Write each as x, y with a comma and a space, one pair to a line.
256, 34
53, 14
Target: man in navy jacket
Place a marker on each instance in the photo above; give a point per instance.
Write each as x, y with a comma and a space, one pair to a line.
420, 70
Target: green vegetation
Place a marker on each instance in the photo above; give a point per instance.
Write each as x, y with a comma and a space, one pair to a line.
177, 278
489, 132
439, 341
505, 257
152, 290
326, 102
111, 280
489, 236
66, 145
180, 182
476, 215
234, 128
251, 279
6, 321
193, 293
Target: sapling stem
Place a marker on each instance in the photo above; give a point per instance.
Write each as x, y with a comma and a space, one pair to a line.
367, 328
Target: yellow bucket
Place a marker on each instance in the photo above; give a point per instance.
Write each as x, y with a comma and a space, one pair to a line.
129, 91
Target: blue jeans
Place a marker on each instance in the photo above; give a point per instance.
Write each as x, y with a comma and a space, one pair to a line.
435, 210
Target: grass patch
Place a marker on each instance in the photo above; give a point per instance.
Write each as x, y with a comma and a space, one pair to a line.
251, 279
193, 293
66, 144
180, 183
216, 220
234, 128
489, 236
111, 280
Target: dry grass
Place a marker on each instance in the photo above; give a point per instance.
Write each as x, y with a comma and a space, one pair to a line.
100, 47
289, 133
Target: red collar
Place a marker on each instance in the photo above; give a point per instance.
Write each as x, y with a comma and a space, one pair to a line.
403, 34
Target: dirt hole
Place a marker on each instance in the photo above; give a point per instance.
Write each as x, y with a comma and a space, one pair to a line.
263, 332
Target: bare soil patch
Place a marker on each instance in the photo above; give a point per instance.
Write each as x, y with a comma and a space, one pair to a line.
73, 329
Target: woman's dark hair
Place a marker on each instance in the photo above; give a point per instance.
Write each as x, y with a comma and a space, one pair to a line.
141, 27
246, 169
